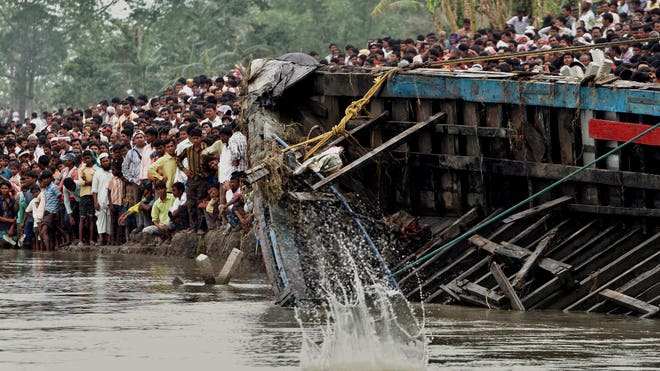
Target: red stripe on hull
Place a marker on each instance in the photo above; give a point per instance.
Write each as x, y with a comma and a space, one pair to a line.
622, 131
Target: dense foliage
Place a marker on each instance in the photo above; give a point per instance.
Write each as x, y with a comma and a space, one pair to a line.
60, 53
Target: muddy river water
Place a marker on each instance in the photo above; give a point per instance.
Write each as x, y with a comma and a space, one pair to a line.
64, 311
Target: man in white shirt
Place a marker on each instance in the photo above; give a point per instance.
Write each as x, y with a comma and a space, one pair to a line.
100, 193
178, 211
519, 22
587, 16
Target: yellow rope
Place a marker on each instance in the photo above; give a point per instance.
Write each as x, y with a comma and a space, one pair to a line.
352, 111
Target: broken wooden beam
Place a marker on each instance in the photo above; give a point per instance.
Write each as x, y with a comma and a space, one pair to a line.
508, 250
646, 309
555, 267
392, 143
537, 209
531, 260
256, 173
489, 296
505, 285
230, 267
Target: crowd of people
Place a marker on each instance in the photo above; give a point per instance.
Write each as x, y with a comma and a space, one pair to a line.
587, 24
175, 161
154, 165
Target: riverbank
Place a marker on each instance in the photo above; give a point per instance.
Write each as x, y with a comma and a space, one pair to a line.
215, 244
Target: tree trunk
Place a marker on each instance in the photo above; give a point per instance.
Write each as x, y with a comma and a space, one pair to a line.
19, 89
30, 93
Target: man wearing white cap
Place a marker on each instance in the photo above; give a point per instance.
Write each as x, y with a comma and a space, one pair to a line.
100, 192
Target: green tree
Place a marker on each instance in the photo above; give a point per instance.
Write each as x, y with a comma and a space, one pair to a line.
36, 37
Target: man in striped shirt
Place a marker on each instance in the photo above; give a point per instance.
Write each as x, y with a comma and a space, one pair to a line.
238, 148
196, 177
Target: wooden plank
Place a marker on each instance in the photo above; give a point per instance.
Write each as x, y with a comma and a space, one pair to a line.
441, 271
481, 292
503, 281
451, 231
566, 136
638, 285
531, 260
530, 229
482, 263
449, 185
461, 130
475, 182
434, 244
426, 188
629, 179
474, 300
622, 132
510, 251
424, 110
579, 234
612, 210
577, 252
401, 111
542, 292
537, 209
629, 302
517, 124
380, 118
442, 289
494, 121
256, 173
387, 145
556, 268
611, 274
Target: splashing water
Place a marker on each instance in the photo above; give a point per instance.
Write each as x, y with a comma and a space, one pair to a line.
374, 331
363, 324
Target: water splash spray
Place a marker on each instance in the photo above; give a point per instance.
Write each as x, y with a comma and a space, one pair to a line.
363, 323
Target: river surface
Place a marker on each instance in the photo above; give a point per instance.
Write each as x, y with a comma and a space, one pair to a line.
64, 311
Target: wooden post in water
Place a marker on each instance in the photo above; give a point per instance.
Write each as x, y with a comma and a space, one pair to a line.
205, 269
228, 270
